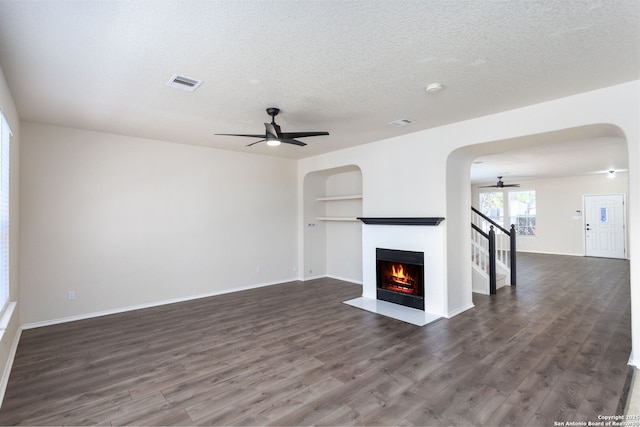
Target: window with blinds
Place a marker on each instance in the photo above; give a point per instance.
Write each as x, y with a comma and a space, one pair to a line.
5, 133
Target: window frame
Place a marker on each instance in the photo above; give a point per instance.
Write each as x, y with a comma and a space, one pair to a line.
506, 208
5, 165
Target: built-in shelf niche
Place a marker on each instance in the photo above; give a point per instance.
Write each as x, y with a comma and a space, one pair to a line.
355, 208
337, 198
332, 232
337, 218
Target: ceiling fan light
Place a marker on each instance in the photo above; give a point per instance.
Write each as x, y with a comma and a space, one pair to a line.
273, 142
434, 87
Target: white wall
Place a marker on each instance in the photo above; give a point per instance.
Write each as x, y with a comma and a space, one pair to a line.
430, 171
559, 230
344, 238
314, 261
127, 222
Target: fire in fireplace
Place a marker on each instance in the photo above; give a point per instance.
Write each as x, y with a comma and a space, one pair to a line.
400, 277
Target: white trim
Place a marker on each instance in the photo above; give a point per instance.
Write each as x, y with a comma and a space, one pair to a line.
335, 198
4, 381
547, 253
5, 318
315, 277
562, 254
149, 305
355, 282
5, 178
457, 311
6, 122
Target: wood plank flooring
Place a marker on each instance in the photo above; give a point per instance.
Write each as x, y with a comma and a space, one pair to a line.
553, 349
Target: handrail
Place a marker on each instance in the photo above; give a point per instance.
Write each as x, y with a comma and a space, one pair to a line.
504, 230
490, 236
512, 254
479, 230
493, 276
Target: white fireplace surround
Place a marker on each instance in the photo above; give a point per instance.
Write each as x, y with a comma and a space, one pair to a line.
418, 238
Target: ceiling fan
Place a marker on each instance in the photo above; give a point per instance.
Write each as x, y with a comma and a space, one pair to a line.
500, 184
273, 136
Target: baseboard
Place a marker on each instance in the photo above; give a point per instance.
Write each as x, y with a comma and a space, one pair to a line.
344, 279
629, 392
548, 253
459, 310
4, 381
318, 276
563, 254
148, 305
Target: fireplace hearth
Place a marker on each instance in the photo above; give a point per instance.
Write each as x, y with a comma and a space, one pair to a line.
424, 289
400, 277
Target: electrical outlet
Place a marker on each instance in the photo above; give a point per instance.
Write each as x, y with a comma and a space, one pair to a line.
71, 296
258, 269
294, 269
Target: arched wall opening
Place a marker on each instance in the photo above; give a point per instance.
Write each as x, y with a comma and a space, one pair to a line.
331, 233
459, 191
436, 162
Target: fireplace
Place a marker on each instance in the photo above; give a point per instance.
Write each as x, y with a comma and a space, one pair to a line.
400, 277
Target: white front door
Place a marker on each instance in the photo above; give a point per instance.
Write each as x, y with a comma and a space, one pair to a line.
604, 222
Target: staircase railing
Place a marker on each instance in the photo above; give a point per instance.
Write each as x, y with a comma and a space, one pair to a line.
493, 245
484, 254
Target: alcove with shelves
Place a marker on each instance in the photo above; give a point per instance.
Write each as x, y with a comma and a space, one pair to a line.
341, 208
332, 232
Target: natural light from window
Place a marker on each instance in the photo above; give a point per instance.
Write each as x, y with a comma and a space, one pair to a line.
520, 204
492, 205
5, 134
522, 212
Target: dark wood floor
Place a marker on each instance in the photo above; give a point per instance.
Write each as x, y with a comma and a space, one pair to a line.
553, 349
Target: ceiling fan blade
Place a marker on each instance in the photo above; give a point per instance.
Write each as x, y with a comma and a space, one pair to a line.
240, 134
272, 130
302, 134
273, 134
511, 185
488, 186
292, 141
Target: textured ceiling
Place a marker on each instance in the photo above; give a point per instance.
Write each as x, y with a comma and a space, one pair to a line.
347, 67
564, 158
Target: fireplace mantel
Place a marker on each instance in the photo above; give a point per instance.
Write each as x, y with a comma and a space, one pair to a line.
402, 220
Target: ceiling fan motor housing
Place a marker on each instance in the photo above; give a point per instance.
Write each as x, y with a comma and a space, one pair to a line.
273, 111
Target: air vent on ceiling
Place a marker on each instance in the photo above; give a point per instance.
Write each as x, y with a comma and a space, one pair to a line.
183, 82
401, 122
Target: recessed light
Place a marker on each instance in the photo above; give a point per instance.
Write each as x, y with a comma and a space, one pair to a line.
434, 87
401, 122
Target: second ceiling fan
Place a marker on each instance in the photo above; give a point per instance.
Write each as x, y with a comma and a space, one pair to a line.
499, 184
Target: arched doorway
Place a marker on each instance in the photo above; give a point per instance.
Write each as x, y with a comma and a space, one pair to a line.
459, 191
